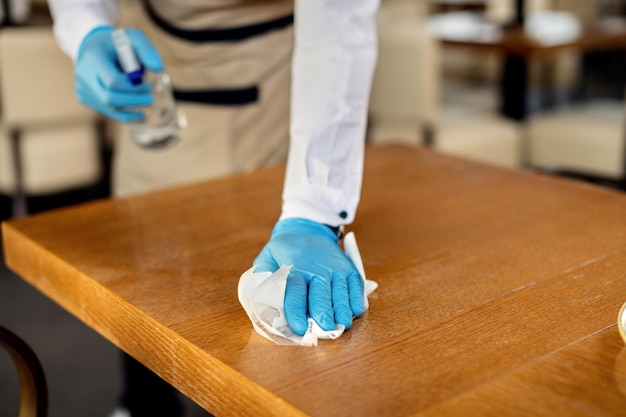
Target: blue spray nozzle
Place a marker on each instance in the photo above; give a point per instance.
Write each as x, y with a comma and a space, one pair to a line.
126, 55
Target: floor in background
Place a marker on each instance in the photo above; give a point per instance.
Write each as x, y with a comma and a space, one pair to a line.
82, 368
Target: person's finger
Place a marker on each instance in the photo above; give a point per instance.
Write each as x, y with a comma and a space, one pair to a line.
295, 303
97, 89
117, 98
85, 96
341, 302
320, 302
112, 77
356, 293
146, 52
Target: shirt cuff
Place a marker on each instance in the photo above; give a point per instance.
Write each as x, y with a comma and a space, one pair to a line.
319, 204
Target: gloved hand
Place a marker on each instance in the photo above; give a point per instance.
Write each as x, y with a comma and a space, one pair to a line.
322, 281
100, 82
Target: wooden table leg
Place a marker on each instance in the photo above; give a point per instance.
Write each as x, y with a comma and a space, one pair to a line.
514, 87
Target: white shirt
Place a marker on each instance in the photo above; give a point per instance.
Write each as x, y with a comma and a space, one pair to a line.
333, 64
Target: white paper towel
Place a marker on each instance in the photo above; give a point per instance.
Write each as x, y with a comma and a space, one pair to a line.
262, 296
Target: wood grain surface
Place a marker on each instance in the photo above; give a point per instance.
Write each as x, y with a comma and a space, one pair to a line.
499, 292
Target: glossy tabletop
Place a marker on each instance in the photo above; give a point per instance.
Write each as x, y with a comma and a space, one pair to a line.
498, 292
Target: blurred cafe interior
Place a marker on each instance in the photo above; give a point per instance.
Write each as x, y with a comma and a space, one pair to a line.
524, 84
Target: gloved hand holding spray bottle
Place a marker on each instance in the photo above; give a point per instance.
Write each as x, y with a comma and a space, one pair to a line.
162, 120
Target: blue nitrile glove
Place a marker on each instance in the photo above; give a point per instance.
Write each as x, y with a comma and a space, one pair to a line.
100, 82
322, 277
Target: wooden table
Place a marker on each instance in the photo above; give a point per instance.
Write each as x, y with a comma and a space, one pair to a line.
499, 292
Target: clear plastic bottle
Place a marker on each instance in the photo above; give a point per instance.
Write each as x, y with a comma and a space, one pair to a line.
163, 120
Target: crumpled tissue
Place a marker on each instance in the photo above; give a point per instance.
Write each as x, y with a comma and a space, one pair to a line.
262, 296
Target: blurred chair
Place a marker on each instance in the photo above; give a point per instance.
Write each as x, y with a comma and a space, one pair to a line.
405, 90
405, 104
587, 139
14, 12
479, 134
33, 386
587, 11
407, 8
49, 143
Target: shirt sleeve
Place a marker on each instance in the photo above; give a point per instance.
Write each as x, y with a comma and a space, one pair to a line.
333, 65
74, 19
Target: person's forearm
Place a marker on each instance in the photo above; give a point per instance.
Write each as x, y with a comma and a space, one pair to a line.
74, 19
333, 65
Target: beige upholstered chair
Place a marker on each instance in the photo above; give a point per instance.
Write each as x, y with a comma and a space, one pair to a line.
405, 90
480, 135
406, 104
586, 139
48, 141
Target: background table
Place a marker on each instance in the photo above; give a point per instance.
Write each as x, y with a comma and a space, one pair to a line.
518, 49
499, 292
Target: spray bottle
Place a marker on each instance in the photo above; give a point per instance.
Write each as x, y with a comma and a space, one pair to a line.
163, 120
